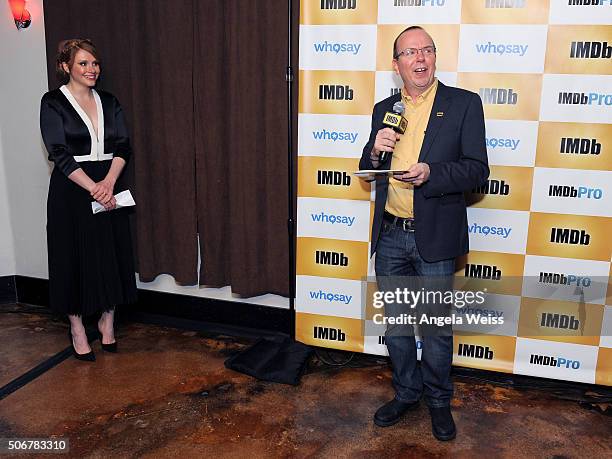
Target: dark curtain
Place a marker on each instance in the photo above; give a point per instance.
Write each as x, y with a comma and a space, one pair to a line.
203, 86
241, 144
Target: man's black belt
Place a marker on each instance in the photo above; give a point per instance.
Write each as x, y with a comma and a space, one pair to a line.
406, 224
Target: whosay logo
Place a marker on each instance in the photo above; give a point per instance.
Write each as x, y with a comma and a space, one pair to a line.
337, 48
501, 142
330, 297
323, 217
335, 136
490, 231
501, 48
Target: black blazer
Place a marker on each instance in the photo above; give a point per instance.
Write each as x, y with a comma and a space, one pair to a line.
65, 134
454, 148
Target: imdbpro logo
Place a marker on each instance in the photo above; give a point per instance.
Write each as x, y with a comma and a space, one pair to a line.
564, 279
419, 2
554, 361
581, 98
582, 192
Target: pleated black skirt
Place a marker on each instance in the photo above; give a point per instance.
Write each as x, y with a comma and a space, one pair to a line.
91, 264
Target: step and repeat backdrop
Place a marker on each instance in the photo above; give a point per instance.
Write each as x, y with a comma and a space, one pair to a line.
540, 227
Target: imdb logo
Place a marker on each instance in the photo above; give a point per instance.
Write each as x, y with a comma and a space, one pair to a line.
579, 50
505, 12
328, 331
336, 92
337, 12
331, 178
574, 146
332, 258
505, 96
508, 188
569, 236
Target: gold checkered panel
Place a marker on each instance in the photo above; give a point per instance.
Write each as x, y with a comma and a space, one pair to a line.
539, 228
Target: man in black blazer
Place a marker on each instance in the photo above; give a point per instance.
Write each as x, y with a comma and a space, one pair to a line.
420, 219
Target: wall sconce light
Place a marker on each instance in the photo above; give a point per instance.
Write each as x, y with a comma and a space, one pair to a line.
22, 17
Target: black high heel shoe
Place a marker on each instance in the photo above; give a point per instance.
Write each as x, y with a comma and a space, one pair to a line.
89, 357
112, 347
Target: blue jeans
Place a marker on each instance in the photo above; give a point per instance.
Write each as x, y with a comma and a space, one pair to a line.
397, 255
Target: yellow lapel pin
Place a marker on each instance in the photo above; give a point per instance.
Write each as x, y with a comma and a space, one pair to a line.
440, 114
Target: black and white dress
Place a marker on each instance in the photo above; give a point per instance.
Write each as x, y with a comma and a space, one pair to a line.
91, 265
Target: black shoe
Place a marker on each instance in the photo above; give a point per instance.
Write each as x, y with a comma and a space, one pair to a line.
89, 357
391, 412
112, 347
442, 424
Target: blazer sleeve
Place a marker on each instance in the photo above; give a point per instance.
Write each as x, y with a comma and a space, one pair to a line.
472, 168
54, 137
122, 147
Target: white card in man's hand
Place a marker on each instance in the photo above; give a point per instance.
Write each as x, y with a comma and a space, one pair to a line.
124, 199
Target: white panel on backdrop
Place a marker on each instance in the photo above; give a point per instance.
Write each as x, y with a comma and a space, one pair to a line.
338, 136
419, 12
606, 328
493, 230
328, 297
565, 279
347, 47
511, 143
504, 307
571, 191
389, 83
576, 98
593, 12
502, 48
343, 219
548, 359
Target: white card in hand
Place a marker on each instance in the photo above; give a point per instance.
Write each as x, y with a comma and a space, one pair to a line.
124, 199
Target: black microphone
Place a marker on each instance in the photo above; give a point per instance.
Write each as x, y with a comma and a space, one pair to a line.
395, 121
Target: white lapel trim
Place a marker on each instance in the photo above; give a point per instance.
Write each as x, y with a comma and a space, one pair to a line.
97, 143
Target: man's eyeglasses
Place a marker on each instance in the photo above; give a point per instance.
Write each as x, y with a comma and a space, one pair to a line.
412, 52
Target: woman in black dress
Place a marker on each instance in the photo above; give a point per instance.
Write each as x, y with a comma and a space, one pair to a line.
91, 269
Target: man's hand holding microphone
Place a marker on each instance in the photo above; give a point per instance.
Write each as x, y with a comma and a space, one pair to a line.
384, 144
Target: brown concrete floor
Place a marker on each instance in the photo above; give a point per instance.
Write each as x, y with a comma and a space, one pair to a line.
167, 394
